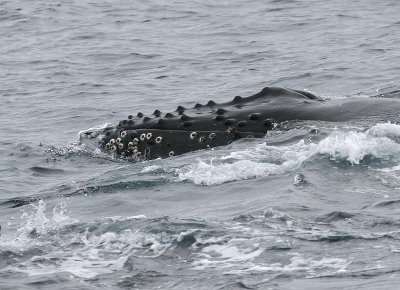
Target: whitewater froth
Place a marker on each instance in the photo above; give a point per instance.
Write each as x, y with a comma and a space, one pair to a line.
262, 160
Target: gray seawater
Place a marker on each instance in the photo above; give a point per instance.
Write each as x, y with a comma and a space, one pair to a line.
313, 206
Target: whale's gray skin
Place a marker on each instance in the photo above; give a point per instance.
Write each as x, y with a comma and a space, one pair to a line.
210, 125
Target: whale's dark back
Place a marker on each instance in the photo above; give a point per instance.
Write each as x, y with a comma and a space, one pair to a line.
214, 124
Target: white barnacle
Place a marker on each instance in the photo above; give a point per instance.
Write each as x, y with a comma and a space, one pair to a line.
118, 140
138, 154
135, 141
112, 142
130, 145
171, 153
232, 130
158, 139
113, 148
148, 136
142, 137
193, 135
202, 139
212, 135
123, 134
120, 146
108, 146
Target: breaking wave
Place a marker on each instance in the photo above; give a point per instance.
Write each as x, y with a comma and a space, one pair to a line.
380, 142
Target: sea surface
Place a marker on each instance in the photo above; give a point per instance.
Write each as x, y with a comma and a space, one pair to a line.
314, 205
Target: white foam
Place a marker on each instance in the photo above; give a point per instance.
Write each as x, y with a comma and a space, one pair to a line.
262, 160
244, 164
123, 218
355, 146
35, 223
390, 169
96, 254
93, 132
229, 254
81, 254
247, 255
150, 168
209, 174
385, 130
298, 263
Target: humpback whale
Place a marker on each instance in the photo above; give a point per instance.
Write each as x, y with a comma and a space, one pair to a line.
203, 126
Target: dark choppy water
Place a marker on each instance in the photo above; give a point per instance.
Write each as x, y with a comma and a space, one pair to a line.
298, 210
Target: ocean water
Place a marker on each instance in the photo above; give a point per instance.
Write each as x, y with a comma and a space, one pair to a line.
313, 206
